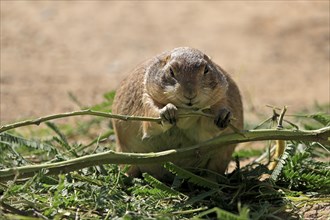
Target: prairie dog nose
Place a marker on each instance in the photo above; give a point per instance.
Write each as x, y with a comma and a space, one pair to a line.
190, 96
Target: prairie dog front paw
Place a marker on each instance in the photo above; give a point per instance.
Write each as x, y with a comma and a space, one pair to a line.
169, 114
222, 119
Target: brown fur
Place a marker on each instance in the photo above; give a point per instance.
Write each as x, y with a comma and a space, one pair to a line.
180, 80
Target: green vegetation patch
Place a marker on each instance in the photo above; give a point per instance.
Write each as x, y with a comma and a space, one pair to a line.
103, 190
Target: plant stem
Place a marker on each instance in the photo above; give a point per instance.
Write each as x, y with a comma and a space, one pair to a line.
40, 120
202, 149
75, 113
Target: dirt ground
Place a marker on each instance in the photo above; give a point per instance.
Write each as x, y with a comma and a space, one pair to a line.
278, 52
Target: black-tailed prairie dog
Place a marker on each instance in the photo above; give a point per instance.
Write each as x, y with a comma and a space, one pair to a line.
177, 81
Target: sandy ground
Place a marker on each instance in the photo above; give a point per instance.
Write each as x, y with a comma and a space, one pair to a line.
278, 52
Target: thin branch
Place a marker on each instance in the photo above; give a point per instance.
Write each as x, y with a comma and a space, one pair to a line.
281, 117
264, 122
40, 120
265, 155
204, 149
280, 144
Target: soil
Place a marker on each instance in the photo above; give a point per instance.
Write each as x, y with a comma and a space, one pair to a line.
277, 51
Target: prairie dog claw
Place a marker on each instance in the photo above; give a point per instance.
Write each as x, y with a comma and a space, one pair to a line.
222, 119
169, 114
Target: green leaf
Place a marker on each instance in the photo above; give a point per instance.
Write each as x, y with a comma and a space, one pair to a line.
288, 153
159, 185
109, 96
62, 139
322, 118
190, 177
35, 144
201, 196
224, 215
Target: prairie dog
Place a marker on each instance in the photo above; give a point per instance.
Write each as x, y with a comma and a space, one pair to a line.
181, 80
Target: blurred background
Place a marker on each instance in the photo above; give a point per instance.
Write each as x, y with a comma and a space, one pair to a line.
277, 52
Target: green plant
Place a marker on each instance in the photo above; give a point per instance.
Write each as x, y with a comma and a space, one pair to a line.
69, 179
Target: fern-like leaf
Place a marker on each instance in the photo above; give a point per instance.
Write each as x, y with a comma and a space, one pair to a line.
201, 196
190, 177
322, 118
304, 173
62, 139
289, 152
159, 185
59, 133
224, 215
16, 140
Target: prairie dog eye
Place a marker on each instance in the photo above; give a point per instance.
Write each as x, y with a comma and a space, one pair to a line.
172, 73
206, 69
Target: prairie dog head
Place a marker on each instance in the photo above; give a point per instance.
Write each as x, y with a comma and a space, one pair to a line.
186, 78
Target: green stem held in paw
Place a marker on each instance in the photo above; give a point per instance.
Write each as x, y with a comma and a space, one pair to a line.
205, 148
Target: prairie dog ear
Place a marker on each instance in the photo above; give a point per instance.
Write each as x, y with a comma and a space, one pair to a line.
208, 58
163, 59
167, 58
